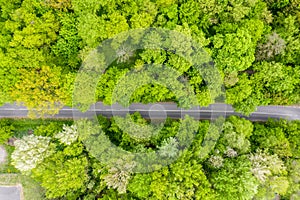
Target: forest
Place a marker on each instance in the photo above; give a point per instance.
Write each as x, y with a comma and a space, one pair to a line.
253, 44
248, 161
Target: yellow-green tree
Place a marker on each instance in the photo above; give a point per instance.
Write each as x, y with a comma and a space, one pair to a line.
40, 90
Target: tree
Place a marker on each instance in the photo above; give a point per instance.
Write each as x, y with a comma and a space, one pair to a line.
139, 132
7, 7
183, 179
264, 165
8, 77
48, 130
234, 47
89, 26
6, 130
216, 161
292, 130
277, 82
234, 180
30, 151
236, 135
37, 32
287, 26
118, 176
66, 48
294, 179
169, 148
239, 95
64, 173
40, 90
107, 84
63, 5
271, 172
271, 138
273, 46
68, 135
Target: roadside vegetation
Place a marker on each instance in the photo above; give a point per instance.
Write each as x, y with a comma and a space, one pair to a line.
248, 161
255, 45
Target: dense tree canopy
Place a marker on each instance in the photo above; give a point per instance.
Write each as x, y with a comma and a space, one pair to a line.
254, 44
248, 161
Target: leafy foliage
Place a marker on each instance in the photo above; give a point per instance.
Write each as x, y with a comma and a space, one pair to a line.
273, 139
234, 180
235, 51
67, 47
30, 151
48, 130
75, 161
40, 90
254, 44
118, 176
63, 173
273, 46
68, 135
169, 147
264, 165
59, 34
182, 180
236, 136
294, 179
6, 130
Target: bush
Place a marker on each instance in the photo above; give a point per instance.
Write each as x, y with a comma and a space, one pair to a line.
6, 130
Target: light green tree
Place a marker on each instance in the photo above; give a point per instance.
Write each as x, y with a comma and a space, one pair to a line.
30, 151
68, 135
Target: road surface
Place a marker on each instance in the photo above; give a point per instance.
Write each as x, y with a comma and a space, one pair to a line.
10, 192
162, 110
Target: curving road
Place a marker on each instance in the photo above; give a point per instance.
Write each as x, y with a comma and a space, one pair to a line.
161, 111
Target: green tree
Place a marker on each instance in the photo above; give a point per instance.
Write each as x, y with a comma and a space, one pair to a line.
275, 83
118, 176
66, 48
271, 172
234, 180
62, 5
6, 130
273, 46
239, 95
68, 135
271, 138
294, 179
48, 130
183, 179
64, 173
236, 135
234, 47
287, 26
292, 131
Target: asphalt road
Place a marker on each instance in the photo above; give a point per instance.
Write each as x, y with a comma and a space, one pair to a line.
161, 111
